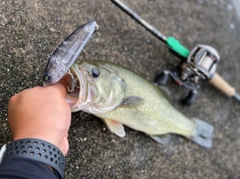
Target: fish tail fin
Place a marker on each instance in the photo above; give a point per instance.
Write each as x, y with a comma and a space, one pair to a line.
203, 133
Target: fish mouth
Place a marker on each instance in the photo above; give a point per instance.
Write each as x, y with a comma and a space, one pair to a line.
81, 89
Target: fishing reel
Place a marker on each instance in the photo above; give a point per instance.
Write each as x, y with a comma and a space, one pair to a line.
201, 64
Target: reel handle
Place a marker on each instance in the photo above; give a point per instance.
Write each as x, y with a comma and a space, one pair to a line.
218, 82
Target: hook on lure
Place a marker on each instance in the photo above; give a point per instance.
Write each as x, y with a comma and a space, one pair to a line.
73, 82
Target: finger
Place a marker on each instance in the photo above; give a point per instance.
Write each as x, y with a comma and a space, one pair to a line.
62, 85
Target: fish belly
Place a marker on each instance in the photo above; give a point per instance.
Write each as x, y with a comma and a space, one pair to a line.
152, 120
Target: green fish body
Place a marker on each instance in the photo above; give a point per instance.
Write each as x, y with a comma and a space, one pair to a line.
120, 97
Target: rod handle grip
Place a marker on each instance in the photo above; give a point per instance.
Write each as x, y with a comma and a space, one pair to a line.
218, 82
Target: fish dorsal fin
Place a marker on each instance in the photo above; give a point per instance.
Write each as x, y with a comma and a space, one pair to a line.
132, 101
115, 127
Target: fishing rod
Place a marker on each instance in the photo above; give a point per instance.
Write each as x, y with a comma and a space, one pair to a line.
200, 63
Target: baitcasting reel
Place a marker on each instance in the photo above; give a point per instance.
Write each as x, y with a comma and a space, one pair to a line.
201, 64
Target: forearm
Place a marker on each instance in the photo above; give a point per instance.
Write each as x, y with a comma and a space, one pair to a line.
17, 167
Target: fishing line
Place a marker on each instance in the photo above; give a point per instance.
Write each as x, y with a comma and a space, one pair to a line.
90, 49
91, 13
43, 63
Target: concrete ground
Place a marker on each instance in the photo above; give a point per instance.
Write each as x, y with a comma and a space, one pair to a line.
31, 30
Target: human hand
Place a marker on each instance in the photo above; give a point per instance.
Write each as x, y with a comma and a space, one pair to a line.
41, 113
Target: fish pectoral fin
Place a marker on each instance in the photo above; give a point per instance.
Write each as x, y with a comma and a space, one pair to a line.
131, 101
115, 127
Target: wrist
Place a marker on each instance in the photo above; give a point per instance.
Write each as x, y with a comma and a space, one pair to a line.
46, 138
38, 150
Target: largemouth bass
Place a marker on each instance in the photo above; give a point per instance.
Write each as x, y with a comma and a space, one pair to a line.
120, 97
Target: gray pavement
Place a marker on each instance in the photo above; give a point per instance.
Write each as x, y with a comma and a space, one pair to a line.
31, 30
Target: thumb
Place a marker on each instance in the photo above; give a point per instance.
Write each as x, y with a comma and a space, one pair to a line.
62, 85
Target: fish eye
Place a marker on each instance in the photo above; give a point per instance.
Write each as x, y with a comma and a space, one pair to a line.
95, 72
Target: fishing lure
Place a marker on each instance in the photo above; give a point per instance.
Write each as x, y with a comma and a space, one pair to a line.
67, 52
